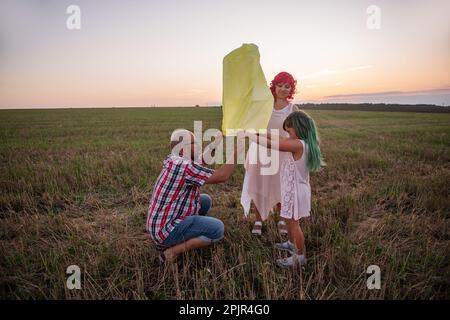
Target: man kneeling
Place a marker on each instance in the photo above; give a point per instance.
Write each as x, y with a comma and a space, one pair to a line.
177, 211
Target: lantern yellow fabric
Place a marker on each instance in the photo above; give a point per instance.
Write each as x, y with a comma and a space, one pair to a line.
247, 100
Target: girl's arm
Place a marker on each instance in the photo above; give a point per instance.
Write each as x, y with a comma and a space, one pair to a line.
276, 142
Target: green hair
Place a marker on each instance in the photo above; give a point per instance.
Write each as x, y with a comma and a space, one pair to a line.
305, 129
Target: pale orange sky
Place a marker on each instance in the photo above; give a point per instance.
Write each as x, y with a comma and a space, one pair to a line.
166, 53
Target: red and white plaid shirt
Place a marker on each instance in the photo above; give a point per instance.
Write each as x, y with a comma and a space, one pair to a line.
175, 195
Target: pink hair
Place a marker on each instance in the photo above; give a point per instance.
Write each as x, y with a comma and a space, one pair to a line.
283, 77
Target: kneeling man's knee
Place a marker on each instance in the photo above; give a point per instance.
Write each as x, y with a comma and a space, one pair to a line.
218, 230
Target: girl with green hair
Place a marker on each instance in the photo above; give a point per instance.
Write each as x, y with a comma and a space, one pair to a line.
304, 157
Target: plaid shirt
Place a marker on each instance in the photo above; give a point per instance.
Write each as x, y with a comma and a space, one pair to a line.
175, 195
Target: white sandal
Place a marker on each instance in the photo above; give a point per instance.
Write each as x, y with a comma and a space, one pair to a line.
282, 227
257, 228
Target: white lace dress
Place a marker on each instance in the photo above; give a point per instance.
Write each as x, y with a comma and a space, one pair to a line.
295, 187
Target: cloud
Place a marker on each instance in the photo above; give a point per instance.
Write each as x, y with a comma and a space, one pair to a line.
390, 93
438, 96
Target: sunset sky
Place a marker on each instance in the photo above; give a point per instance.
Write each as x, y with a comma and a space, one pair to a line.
169, 53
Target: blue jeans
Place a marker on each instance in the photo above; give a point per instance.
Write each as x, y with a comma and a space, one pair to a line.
205, 204
208, 229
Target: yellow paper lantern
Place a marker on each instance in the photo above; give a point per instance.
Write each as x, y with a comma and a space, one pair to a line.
247, 100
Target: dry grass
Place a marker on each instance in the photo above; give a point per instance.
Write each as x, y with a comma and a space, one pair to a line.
75, 184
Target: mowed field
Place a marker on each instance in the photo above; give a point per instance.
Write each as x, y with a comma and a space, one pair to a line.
75, 184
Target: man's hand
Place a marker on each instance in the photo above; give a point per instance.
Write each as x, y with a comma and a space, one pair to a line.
224, 173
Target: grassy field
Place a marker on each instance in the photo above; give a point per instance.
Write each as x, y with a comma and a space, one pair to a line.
75, 184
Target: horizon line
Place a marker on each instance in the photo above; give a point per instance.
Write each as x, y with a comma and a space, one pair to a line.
220, 106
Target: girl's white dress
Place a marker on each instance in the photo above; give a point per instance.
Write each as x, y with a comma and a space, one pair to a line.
265, 190
295, 187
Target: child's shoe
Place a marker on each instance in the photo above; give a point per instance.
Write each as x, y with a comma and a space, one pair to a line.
291, 261
286, 246
282, 229
257, 227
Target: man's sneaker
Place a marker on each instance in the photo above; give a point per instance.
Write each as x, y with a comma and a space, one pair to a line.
291, 261
286, 246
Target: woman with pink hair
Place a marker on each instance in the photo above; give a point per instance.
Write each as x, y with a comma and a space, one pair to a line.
265, 190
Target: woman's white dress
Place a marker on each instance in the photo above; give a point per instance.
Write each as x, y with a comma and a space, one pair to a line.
265, 190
